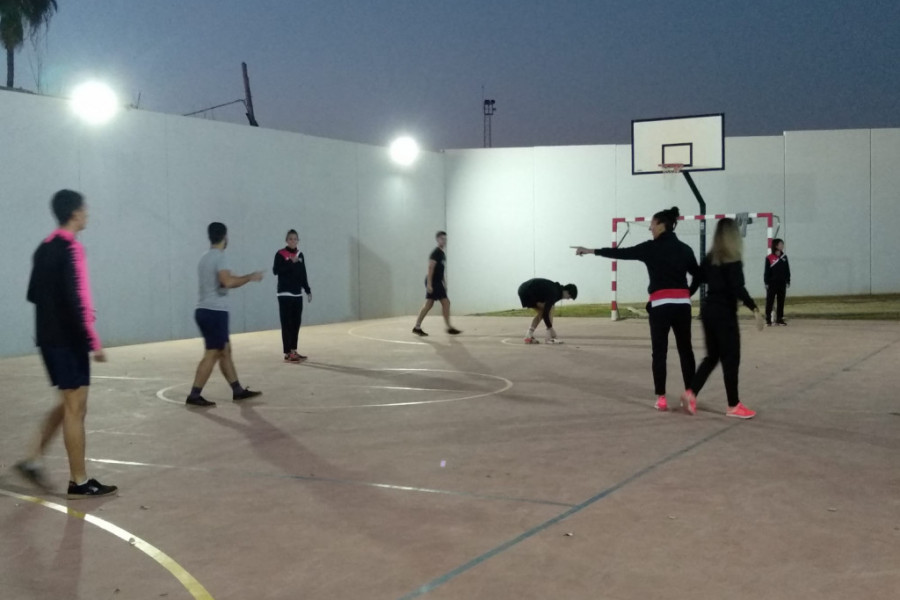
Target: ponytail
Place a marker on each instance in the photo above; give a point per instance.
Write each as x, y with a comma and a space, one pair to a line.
669, 218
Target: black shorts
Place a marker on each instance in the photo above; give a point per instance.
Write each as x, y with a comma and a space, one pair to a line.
438, 291
213, 325
526, 298
69, 368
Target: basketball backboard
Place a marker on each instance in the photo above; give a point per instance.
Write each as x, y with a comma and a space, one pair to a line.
697, 142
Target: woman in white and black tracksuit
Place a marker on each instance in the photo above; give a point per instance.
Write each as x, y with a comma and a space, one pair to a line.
290, 267
668, 262
777, 277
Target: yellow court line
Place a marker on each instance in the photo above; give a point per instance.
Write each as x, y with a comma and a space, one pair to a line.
194, 587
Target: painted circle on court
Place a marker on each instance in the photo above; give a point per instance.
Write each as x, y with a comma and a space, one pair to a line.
493, 384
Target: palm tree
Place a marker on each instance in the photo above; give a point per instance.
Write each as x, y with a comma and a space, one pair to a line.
18, 18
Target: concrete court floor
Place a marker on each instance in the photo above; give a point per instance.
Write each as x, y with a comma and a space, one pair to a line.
389, 467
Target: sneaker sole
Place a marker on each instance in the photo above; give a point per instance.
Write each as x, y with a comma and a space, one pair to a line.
734, 416
87, 496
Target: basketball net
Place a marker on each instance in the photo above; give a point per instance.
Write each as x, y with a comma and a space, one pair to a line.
670, 173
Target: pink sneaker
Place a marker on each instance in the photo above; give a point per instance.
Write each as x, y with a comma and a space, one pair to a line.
531, 340
661, 404
689, 402
740, 412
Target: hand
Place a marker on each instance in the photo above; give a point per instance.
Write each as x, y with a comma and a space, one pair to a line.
429, 289
789, 285
309, 297
295, 257
256, 276
99, 355
581, 250
767, 287
760, 325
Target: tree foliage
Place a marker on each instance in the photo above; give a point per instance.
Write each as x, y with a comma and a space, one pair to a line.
20, 19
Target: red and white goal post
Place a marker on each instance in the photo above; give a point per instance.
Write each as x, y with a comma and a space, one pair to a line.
614, 308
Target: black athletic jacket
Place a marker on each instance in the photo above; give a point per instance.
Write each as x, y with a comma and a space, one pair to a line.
668, 261
60, 291
724, 287
291, 275
541, 290
777, 270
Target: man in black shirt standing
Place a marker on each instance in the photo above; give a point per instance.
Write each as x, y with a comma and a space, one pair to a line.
436, 287
541, 295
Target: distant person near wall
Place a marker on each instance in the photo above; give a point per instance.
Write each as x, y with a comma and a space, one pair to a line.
668, 261
777, 277
290, 268
60, 290
211, 315
541, 295
436, 286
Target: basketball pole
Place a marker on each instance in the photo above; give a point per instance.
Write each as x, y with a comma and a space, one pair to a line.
702, 203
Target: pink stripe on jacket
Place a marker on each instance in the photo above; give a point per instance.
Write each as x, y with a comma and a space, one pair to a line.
83, 285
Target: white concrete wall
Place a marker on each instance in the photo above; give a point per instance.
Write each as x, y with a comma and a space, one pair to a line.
828, 212
885, 248
834, 191
154, 182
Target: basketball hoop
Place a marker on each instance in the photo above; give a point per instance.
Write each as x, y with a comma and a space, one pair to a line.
670, 172
671, 168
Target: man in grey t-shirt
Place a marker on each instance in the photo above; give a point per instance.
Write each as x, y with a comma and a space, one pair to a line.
215, 280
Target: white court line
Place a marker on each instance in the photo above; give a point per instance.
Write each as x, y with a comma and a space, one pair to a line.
161, 394
123, 378
375, 339
194, 587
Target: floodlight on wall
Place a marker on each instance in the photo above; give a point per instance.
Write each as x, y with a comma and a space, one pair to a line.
95, 102
404, 151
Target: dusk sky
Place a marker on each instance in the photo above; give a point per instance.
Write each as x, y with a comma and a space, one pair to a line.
562, 72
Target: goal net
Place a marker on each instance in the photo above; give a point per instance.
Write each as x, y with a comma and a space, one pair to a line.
629, 277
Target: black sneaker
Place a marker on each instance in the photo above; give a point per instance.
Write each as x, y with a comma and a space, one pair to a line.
454, 331
33, 474
198, 401
90, 489
418, 331
245, 394
781, 323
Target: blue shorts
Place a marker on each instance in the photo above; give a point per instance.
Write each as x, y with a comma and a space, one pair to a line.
69, 368
213, 325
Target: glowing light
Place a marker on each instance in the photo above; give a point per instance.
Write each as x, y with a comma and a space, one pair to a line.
404, 151
95, 102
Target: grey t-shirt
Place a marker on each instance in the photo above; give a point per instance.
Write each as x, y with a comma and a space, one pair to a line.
212, 295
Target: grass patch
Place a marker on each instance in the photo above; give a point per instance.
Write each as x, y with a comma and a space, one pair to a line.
882, 307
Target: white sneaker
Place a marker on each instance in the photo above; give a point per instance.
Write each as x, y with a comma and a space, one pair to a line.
554, 341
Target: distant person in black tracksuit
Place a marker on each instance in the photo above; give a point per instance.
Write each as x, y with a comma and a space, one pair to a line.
541, 295
436, 286
723, 273
777, 277
668, 261
290, 268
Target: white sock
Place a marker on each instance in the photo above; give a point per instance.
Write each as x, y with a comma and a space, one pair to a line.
530, 333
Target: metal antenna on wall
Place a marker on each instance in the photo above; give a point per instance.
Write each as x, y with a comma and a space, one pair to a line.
247, 101
248, 98
488, 113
